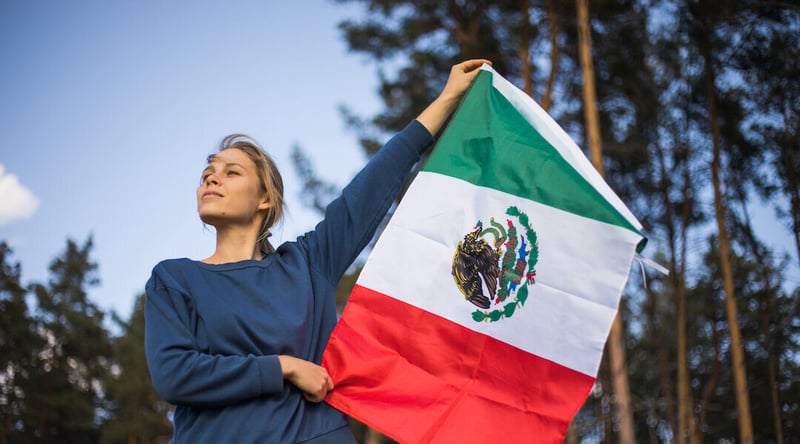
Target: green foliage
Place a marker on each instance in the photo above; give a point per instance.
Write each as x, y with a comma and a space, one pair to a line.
421, 40
137, 413
74, 360
19, 343
62, 377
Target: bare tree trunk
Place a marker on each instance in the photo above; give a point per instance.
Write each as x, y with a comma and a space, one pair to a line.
372, 436
711, 385
555, 53
526, 69
619, 378
685, 426
589, 94
685, 420
737, 351
616, 345
42, 426
571, 437
771, 289
684, 378
654, 327
772, 369
677, 265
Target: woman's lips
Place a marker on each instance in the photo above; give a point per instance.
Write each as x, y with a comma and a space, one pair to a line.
211, 194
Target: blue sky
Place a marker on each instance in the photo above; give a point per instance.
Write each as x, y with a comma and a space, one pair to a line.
109, 109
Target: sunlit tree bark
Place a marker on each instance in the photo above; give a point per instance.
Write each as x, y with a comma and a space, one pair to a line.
555, 53
525, 66
616, 345
736, 348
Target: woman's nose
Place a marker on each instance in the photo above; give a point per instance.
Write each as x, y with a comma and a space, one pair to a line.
211, 179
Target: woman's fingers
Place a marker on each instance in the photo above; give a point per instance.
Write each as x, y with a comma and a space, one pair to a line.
312, 379
320, 394
461, 76
469, 65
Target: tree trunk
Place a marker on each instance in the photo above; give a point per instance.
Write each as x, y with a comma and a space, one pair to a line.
571, 437
711, 385
768, 308
684, 378
616, 345
737, 351
372, 436
6, 428
589, 94
677, 266
42, 426
526, 69
685, 418
772, 366
555, 53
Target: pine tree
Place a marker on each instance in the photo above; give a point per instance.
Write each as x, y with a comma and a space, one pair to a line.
69, 400
19, 346
137, 413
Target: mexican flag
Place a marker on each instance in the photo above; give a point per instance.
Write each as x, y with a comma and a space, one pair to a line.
482, 312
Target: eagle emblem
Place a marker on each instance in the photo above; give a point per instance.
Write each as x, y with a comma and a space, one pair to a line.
494, 266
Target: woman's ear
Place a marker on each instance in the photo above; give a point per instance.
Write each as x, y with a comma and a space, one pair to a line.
264, 203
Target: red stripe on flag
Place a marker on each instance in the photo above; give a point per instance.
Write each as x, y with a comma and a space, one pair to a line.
418, 377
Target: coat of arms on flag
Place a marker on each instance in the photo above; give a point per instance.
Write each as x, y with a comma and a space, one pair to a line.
496, 335
504, 266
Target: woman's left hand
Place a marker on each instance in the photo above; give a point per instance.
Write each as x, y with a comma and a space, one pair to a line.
313, 380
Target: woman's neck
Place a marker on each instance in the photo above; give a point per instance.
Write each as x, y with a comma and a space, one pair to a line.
234, 245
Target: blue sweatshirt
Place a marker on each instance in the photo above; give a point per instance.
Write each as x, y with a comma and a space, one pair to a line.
214, 332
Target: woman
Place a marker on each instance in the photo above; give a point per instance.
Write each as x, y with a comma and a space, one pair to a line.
234, 340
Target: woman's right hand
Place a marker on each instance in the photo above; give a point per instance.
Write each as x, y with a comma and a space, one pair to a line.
312, 379
461, 76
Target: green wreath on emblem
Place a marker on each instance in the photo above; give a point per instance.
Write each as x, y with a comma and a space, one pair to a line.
506, 269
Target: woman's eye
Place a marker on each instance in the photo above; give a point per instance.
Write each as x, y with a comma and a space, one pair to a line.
233, 173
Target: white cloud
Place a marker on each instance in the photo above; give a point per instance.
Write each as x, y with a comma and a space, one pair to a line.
16, 200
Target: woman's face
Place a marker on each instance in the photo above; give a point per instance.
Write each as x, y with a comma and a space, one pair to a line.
230, 191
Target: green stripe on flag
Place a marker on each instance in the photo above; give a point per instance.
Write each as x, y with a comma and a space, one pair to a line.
490, 144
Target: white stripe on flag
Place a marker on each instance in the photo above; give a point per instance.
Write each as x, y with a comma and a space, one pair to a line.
582, 268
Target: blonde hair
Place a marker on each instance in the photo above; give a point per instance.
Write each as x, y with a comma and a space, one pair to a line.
269, 177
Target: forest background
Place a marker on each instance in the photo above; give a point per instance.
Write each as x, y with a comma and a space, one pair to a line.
690, 108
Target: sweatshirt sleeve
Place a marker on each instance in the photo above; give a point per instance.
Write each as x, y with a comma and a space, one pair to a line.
352, 218
183, 374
